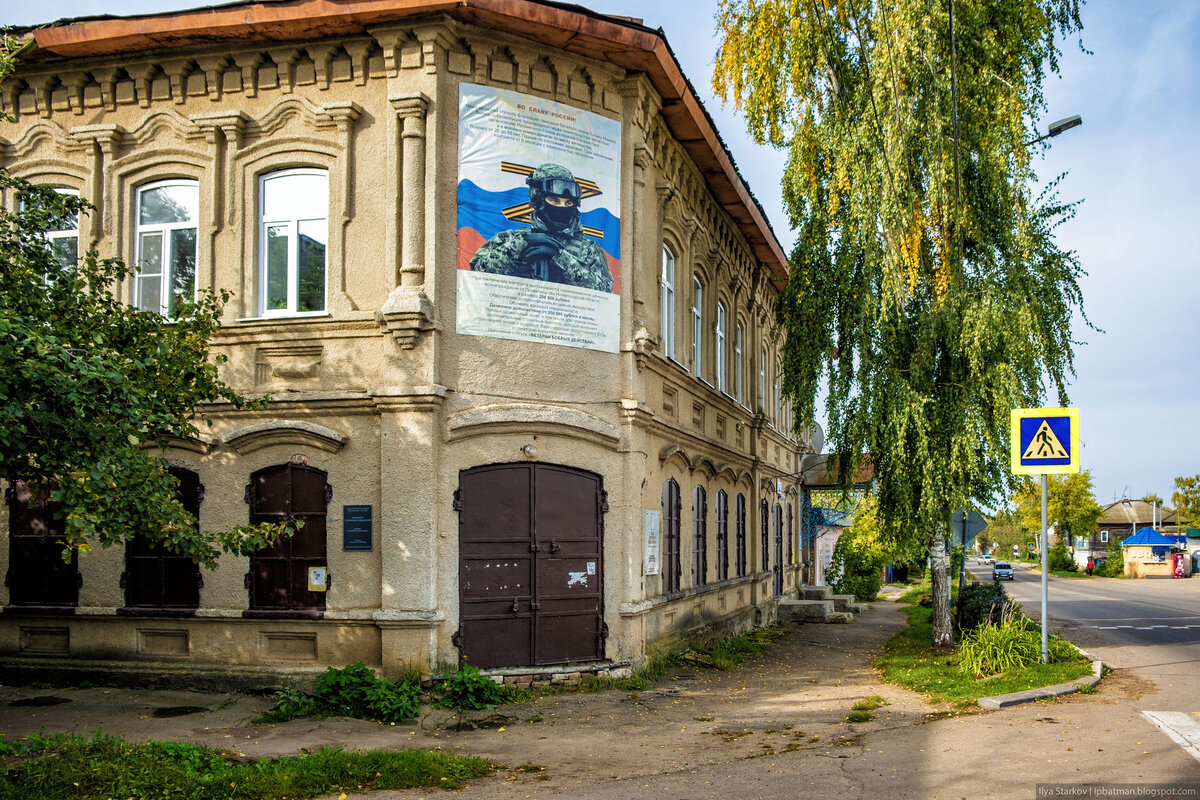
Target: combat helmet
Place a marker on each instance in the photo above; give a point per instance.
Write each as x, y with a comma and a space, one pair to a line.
554, 180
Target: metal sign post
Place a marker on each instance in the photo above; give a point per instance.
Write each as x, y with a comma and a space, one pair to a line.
1045, 441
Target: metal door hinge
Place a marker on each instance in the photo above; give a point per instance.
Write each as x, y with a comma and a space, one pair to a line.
456, 504
603, 502
603, 629
248, 580
124, 581
456, 639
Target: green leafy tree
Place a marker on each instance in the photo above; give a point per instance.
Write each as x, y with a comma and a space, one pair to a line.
1114, 567
1006, 530
1187, 500
92, 391
926, 287
1071, 507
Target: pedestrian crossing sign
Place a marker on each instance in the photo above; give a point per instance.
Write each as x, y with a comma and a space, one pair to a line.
1045, 441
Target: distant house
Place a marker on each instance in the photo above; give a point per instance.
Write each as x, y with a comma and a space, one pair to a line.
1150, 553
1119, 521
828, 512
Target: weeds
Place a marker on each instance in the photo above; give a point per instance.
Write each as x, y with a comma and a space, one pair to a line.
352, 691
869, 704
469, 689
993, 649
859, 716
66, 767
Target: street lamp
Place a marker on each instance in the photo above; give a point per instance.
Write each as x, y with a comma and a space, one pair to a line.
1058, 127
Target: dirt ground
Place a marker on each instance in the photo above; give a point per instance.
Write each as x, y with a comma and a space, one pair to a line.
797, 696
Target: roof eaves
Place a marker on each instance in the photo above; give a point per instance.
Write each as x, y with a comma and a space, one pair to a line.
619, 40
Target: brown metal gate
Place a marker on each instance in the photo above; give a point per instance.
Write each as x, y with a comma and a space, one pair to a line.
530, 570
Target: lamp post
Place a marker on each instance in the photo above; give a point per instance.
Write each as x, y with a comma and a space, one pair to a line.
1059, 127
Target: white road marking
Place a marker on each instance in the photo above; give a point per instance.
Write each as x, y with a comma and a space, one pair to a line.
1182, 728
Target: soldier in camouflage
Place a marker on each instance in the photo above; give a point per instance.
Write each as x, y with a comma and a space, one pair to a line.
554, 248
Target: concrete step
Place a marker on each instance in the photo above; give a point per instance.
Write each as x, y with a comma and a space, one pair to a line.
811, 611
814, 593
846, 602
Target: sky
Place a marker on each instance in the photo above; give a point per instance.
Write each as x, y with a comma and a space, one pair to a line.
1134, 165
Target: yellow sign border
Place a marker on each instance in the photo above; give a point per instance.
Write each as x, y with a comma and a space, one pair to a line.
1019, 414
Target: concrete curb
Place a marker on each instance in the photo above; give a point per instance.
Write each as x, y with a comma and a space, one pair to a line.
1057, 690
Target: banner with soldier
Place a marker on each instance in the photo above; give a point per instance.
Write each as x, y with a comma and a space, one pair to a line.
539, 229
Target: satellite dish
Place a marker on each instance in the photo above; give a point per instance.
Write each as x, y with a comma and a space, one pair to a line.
816, 437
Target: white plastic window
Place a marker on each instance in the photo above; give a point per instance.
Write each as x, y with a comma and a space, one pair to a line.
293, 237
738, 389
166, 237
667, 293
697, 325
721, 347
64, 241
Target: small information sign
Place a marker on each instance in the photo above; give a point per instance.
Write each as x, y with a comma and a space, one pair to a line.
653, 523
356, 527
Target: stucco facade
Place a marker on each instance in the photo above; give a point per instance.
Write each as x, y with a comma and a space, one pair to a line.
372, 385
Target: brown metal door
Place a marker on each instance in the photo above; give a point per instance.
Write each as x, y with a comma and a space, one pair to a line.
530, 575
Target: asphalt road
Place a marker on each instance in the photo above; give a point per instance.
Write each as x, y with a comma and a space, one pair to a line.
1129, 620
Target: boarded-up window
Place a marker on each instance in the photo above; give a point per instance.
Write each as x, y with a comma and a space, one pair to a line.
764, 513
279, 575
37, 574
791, 551
722, 535
740, 525
672, 568
155, 577
700, 535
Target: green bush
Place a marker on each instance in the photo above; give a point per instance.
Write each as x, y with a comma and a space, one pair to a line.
471, 689
854, 569
353, 691
1059, 558
1115, 566
980, 602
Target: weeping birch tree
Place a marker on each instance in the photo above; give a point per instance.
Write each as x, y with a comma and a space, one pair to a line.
927, 294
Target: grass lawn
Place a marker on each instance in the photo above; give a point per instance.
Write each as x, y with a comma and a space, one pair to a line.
75, 768
910, 661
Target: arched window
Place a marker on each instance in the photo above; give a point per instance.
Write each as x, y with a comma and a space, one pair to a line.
762, 380
667, 296
156, 578
697, 325
672, 568
166, 245
740, 526
722, 535
739, 390
764, 513
791, 551
700, 535
279, 579
720, 333
63, 236
37, 575
293, 234
778, 568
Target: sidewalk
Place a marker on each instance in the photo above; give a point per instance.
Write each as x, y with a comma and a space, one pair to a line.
796, 697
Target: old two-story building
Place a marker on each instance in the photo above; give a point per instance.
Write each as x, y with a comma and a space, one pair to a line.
513, 304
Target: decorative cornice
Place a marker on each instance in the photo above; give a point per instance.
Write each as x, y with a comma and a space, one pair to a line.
285, 431
522, 417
